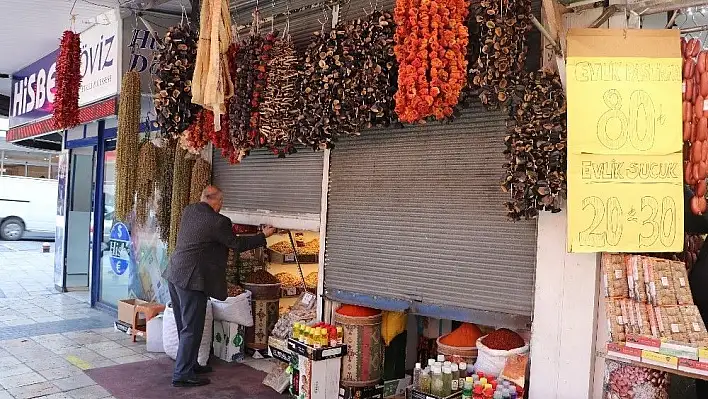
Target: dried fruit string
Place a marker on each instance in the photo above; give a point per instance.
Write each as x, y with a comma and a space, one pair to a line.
201, 176
146, 175
127, 146
165, 166
181, 183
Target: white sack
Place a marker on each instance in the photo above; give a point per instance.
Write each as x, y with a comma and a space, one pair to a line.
491, 361
170, 338
235, 309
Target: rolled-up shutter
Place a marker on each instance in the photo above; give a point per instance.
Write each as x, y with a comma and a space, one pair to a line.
264, 184
416, 216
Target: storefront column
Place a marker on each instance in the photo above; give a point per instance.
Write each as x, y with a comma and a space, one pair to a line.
563, 331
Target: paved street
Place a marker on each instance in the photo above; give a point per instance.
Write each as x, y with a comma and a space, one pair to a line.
47, 338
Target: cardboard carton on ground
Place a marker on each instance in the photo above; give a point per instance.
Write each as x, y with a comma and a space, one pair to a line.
126, 309
228, 342
319, 379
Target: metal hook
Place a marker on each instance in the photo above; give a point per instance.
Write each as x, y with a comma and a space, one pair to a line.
326, 19
272, 17
371, 9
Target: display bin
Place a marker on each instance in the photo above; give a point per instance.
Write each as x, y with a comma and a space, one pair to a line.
279, 349
265, 307
316, 354
277, 257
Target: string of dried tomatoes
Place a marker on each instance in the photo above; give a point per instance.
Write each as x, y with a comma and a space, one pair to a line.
431, 48
68, 81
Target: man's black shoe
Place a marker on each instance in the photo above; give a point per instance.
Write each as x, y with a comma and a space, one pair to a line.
203, 369
192, 382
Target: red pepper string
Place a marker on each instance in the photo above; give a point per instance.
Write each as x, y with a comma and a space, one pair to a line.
68, 82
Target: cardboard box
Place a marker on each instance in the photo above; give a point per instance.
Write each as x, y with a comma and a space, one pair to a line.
316, 354
361, 393
319, 379
126, 310
278, 349
228, 342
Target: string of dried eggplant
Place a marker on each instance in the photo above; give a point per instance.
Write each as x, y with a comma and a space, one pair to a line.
348, 80
146, 176
173, 81
201, 176
165, 167
181, 186
503, 28
127, 146
278, 111
537, 148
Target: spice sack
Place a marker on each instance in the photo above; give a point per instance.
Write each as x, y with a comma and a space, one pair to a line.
170, 338
491, 361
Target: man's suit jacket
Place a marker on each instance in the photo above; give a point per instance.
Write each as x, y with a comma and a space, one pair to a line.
199, 260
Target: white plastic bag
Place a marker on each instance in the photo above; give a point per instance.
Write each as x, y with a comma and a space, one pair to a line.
170, 338
236, 309
491, 361
154, 335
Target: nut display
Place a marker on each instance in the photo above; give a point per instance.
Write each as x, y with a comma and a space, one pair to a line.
288, 280
624, 381
536, 149
614, 275
173, 81
261, 277
431, 49
284, 247
501, 58
311, 280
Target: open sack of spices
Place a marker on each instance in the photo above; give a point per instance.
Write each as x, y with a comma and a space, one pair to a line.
494, 349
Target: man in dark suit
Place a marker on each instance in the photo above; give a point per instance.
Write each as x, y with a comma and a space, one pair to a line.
197, 271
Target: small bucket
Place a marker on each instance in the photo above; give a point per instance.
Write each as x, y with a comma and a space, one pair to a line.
457, 353
362, 366
265, 306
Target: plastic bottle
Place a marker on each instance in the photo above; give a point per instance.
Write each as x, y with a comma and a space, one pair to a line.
436, 382
316, 340
467, 389
455, 377
505, 393
497, 395
477, 392
447, 381
513, 395
425, 381
416, 376
340, 335
470, 369
463, 372
441, 358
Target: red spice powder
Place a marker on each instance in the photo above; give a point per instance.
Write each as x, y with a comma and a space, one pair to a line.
503, 339
357, 311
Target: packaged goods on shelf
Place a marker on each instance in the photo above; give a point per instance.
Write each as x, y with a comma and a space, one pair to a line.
635, 278
614, 275
661, 288
671, 323
680, 282
694, 325
615, 320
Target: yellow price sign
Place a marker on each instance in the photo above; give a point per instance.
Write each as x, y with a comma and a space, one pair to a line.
625, 174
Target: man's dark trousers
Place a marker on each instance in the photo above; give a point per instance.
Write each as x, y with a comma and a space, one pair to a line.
190, 310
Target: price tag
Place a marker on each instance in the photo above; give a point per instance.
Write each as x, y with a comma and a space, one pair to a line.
307, 299
625, 161
682, 281
683, 87
696, 327
618, 274
675, 328
705, 105
291, 291
665, 281
620, 321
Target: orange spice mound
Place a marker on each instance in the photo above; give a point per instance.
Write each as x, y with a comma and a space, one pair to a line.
464, 336
357, 311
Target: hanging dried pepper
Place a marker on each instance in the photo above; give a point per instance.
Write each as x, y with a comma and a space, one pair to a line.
68, 82
127, 146
431, 48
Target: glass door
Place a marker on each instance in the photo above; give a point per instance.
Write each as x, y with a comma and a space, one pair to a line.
114, 275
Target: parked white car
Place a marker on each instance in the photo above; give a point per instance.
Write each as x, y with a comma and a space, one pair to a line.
27, 205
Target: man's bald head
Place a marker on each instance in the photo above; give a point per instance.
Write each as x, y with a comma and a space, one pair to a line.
213, 196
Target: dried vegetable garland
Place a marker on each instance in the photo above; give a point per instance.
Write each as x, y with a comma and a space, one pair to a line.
127, 147
250, 82
431, 48
537, 149
278, 111
503, 28
197, 136
173, 81
145, 182
201, 176
68, 82
181, 185
165, 167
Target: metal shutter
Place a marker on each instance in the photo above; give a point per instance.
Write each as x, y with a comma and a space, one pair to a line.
416, 215
263, 182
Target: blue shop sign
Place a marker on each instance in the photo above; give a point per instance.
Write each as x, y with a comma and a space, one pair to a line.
119, 248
